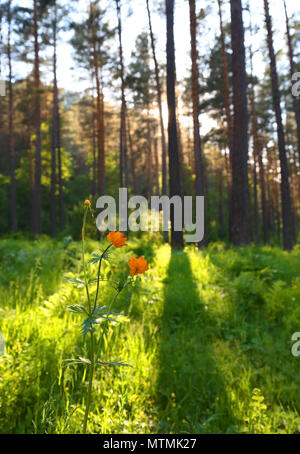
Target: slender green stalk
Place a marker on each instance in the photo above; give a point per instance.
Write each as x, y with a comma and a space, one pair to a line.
91, 376
106, 322
99, 276
92, 359
83, 261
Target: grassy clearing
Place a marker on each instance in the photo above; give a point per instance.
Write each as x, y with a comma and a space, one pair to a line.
209, 339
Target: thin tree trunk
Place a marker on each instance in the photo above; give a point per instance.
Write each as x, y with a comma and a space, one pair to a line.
257, 153
60, 177
226, 90
94, 127
199, 183
174, 166
132, 157
226, 81
240, 196
30, 148
161, 119
292, 71
156, 166
54, 131
149, 160
287, 214
220, 179
255, 206
99, 106
13, 201
123, 132
38, 142
159, 102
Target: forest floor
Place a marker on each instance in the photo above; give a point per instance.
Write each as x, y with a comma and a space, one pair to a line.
208, 336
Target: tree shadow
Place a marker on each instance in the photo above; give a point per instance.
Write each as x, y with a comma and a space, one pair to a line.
191, 390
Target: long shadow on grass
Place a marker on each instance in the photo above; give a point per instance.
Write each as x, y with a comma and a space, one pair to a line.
191, 391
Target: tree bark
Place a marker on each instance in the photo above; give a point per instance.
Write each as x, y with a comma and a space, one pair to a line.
159, 102
199, 184
226, 90
123, 132
240, 196
287, 214
99, 107
36, 206
132, 157
293, 70
54, 131
13, 201
226, 81
174, 166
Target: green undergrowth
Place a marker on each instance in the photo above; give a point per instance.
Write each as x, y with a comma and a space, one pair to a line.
208, 338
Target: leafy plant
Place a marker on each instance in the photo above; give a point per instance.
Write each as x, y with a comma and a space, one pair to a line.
95, 315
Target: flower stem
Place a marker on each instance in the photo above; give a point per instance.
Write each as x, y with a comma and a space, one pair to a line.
99, 276
92, 359
89, 392
83, 261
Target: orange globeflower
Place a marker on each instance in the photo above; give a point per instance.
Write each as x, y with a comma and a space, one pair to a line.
87, 203
117, 239
138, 266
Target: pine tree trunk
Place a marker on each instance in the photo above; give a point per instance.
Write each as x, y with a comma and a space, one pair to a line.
99, 107
287, 214
30, 148
240, 196
36, 206
226, 89
123, 132
54, 132
220, 178
174, 166
149, 160
199, 184
156, 166
293, 70
94, 127
159, 102
132, 157
13, 201
226, 81
60, 176
257, 153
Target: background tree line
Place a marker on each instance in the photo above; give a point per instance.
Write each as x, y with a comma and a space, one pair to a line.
57, 146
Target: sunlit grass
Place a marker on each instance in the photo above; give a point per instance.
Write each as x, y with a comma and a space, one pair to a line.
209, 339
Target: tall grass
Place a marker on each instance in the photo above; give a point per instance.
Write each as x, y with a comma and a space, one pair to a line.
209, 338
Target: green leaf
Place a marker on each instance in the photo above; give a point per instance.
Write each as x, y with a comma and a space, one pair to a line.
87, 325
76, 281
106, 255
113, 363
84, 360
98, 310
106, 316
78, 309
79, 360
95, 258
